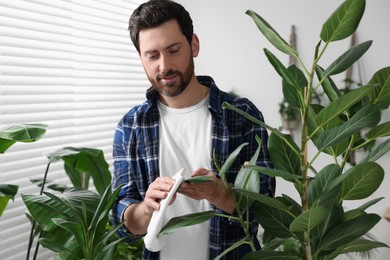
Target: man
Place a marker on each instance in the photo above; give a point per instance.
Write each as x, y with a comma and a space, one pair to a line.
180, 125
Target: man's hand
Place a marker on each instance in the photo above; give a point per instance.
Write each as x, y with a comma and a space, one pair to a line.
137, 216
214, 191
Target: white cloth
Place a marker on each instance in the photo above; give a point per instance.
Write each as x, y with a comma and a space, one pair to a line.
185, 142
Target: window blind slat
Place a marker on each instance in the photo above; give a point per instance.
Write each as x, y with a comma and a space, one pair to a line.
69, 64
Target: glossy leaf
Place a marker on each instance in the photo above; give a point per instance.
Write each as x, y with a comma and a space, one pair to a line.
345, 61
58, 248
308, 220
328, 85
264, 199
276, 173
340, 105
272, 36
7, 192
291, 95
319, 191
381, 94
230, 160
344, 21
274, 220
377, 152
187, 220
199, 179
362, 180
20, 133
362, 245
378, 131
84, 160
370, 203
282, 156
247, 178
367, 117
349, 231
282, 70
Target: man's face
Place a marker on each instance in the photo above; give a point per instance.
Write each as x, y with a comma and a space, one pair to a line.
167, 58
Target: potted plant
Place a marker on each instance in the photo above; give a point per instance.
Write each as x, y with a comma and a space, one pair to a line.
318, 221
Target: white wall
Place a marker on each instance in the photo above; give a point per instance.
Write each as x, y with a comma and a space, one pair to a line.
232, 53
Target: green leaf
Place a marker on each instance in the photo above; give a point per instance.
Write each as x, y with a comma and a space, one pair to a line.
308, 220
8, 190
247, 178
344, 21
340, 105
347, 59
282, 70
85, 160
76, 229
362, 180
377, 152
366, 117
275, 173
264, 199
187, 220
276, 221
319, 191
370, 203
20, 133
283, 157
199, 179
230, 160
328, 85
3, 204
378, 131
362, 245
270, 255
381, 94
349, 231
46, 242
272, 36
291, 95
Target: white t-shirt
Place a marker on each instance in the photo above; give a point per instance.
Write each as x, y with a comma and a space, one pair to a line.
185, 142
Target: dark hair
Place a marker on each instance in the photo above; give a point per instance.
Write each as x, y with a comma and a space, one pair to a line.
156, 12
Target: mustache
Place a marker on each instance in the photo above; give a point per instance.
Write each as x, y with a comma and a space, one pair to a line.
167, 74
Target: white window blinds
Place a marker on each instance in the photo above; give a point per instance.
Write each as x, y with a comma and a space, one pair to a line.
68, 64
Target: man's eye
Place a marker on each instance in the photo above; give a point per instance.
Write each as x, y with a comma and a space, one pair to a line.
152, 57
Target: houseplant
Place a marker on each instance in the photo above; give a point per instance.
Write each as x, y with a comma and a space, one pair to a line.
75, 222
9, 135
318, 221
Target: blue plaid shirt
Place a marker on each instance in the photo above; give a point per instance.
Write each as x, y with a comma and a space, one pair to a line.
136, 150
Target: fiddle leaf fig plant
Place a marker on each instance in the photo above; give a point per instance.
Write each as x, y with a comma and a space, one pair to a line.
318, 221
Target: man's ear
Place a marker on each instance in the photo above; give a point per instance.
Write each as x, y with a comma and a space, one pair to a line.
195, 46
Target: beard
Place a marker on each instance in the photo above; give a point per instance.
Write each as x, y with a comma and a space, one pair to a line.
175, 88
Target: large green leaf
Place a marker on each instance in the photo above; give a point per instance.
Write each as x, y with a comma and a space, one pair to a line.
381, 130
58, 248
381, 94
230, 160
362, 245
7, 192
276, 221
187, 220
349, 231
283, 157
363, 180
291, 95
377, 152
270, 255
20, 133
265, 199
309, 219
43, 208
286, 75
275, 173
366, 117
344, 21
271, 34
347, 59
85, 160
328, 85
340, 105
319, 192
